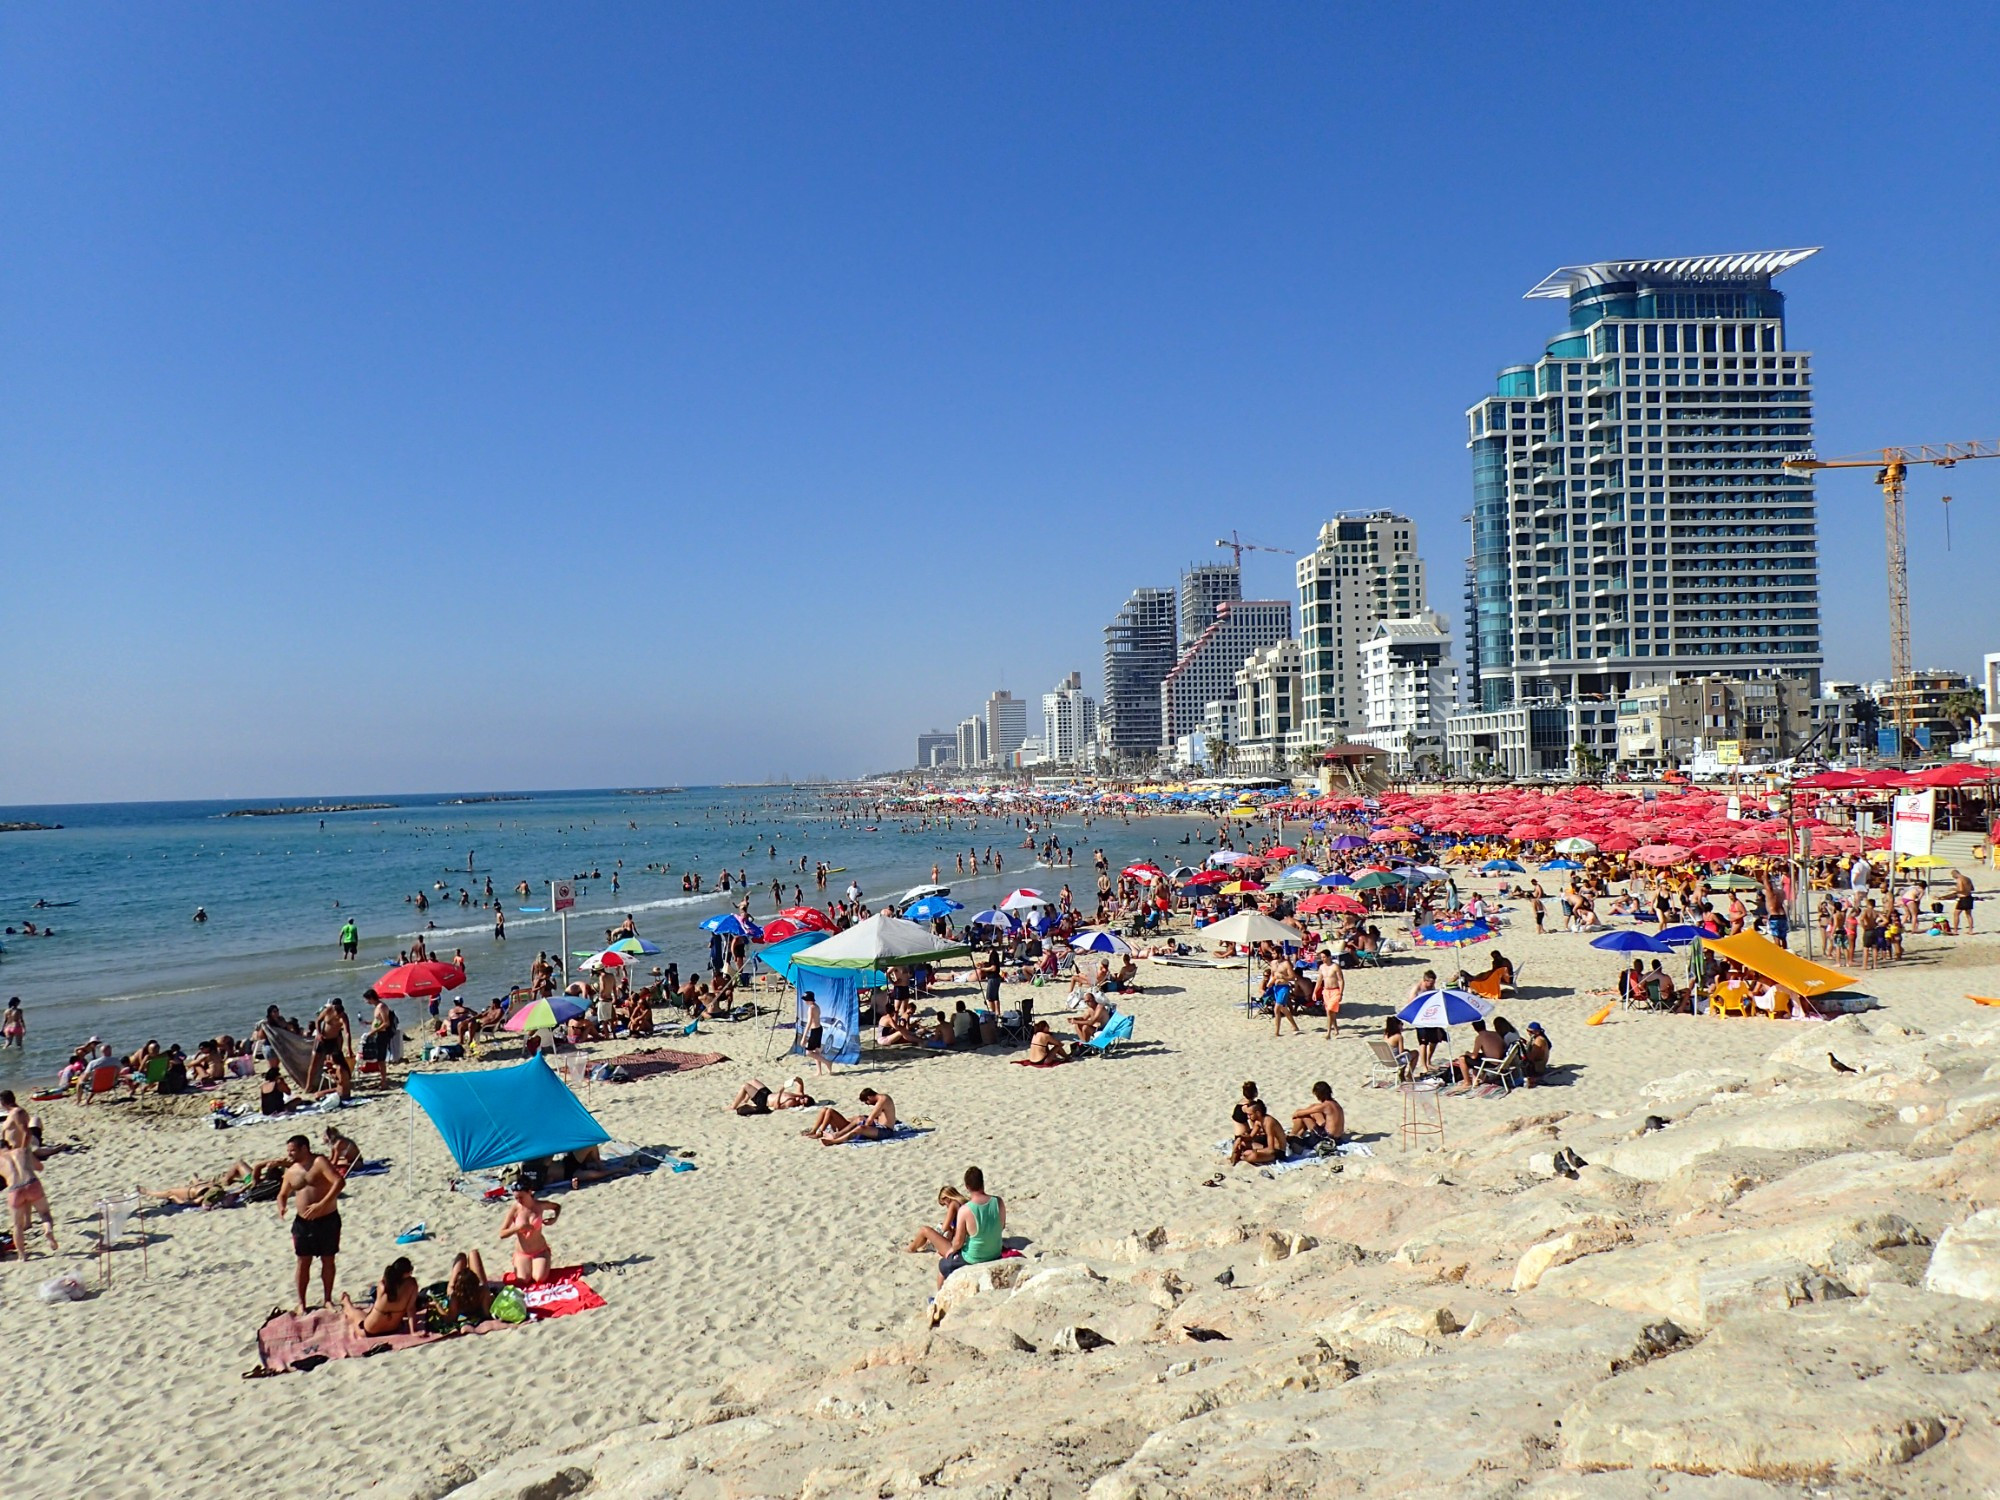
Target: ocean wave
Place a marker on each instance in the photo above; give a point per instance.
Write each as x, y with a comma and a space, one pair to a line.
551, 919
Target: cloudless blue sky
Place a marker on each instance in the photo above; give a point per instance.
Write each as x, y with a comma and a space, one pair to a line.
412, 397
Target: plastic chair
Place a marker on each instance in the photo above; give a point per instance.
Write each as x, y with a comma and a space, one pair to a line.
1117, 1029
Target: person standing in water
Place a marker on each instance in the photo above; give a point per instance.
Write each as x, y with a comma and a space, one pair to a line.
350, 939
499, 924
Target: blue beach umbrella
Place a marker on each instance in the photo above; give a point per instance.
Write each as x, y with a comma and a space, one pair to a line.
1562, 864
728, 924
994, 918
1685, 932
1630, 942
1504, 866
1099, 941
1337, 878
1445, 1008
1456, 932
930, 908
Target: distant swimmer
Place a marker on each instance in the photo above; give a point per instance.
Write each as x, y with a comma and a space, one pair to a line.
201, 914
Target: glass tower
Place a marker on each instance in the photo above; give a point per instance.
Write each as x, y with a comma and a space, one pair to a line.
1632, 520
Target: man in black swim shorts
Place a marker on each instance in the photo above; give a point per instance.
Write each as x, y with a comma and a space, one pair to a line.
312, 1181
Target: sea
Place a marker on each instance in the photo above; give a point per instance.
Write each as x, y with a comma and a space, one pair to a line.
123, 880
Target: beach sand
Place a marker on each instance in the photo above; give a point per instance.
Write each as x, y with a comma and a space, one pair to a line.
776, 1258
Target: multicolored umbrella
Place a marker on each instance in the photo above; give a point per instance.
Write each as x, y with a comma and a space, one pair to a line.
1097, 940
544, 1015
1445, 1008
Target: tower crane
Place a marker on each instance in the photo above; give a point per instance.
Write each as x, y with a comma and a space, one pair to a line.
1237, 545
1889, 465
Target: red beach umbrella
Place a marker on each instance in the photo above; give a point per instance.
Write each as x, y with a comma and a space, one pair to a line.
418, 981
809, 917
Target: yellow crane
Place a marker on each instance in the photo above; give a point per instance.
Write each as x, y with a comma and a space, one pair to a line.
1889, 465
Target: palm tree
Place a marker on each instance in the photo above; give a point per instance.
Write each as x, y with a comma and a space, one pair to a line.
1964, 708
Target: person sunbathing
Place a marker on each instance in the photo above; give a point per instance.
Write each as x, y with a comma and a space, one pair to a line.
832, 1128
468, 1296
1264, 1141
754, 1098
587, 1164
527, 1218
341, 1150
212, 1192
395, 1305
1323, 1119
938, 1241
1044, 1046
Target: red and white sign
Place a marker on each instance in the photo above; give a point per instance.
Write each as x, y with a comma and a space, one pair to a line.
1915, 815
562, 895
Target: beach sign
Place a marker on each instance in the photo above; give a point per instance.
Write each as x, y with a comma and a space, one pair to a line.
562, 895
1914, 816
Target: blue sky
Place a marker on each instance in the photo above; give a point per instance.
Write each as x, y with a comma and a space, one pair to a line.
400, 397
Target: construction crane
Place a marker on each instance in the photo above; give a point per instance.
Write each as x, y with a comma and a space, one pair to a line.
1237, 545
1889, 465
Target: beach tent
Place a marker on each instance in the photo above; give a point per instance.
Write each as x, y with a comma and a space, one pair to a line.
502, 1115
882, 940
1762, 956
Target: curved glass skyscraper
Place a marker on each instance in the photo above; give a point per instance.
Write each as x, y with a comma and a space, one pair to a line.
1632, 519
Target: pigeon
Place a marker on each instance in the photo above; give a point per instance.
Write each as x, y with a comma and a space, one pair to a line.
1653, 1122
1576, 1163
1838, 1065
1227, 1278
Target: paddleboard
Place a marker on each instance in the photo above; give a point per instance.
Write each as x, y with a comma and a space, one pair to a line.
531, 908
836, 869
52, 905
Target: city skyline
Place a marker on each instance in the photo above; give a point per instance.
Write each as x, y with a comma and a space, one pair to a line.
355, 361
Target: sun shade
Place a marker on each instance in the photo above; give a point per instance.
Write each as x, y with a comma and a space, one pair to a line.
1762, 956
505, 1115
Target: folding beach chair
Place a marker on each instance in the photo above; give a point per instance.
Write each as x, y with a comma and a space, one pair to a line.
1502, 1071
1388, 1070
1117, 1029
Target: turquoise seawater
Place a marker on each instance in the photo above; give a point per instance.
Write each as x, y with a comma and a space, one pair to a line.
128, 963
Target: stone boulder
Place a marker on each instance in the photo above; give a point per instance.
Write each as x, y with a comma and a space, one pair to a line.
1808, 1125
1966, 1262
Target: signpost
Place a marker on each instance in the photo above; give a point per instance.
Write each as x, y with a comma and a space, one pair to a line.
562, 896
1910, 829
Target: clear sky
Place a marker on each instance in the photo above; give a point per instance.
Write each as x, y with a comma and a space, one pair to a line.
411, 397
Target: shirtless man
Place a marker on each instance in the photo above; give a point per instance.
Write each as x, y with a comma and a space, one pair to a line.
1265, 1141
330, 1047
1323, 1117
1281, 983
833, 1128
1093, 1018
1331, 985
316, 1223
13, 1117
25, 1193
1486, 1047
1961, 902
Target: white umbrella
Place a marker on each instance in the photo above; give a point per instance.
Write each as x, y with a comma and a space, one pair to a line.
1097, 940
881, 940
918, 892
1223, 857
1246, 928
1022, 899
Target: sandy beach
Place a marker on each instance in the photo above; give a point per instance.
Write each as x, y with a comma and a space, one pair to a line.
749, 1280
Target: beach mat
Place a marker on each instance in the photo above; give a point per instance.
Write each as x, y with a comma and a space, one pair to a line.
291, 1341
1299, 1163
900, 1133
654, 1061
1053, 1062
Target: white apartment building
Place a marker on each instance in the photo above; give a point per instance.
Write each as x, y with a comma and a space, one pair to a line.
1207, 667
972, 741
1364, 569
1268, 690
1069, 718
1409, 689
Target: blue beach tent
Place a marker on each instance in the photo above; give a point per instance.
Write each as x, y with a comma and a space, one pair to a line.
503, 1115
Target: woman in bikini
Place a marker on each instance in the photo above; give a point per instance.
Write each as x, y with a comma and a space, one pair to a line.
395, 1304
25, 1194
526, 1218
938, 1241
341, 1151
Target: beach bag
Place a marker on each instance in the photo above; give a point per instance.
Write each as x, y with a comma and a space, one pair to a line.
509, 1306
62, 1289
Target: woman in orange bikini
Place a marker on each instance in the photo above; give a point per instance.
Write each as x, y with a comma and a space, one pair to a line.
526, 1217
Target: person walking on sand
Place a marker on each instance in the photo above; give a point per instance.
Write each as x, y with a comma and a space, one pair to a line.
311, 1179
1331, 985
25, 1194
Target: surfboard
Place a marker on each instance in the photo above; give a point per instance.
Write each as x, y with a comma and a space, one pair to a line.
531, 908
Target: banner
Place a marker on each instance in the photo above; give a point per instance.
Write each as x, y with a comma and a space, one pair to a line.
838, 993
1915, 813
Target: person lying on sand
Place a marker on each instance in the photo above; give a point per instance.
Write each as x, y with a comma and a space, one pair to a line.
832, 1128
1265, 1142
209, 1192
1323, 1119
395, 1305
467, 1296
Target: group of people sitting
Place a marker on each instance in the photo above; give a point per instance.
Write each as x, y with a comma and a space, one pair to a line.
1494, 1040
1259, 1140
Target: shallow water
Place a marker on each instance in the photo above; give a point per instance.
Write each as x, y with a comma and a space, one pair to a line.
128, 962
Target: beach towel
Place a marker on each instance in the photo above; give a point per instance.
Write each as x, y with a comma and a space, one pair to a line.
1298, 1163
237, 1119
900, 1133
304, 1341
1047, 1062
654, 1061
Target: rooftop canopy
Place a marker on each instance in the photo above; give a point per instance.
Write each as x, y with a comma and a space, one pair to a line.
1745, 265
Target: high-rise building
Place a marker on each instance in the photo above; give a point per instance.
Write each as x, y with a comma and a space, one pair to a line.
1268, 691
1138, 654
936, 748
1364, 569
1207, 667
1632, 518
1409, 687
1068, 717
1006, 726
1202, 588
972, 741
